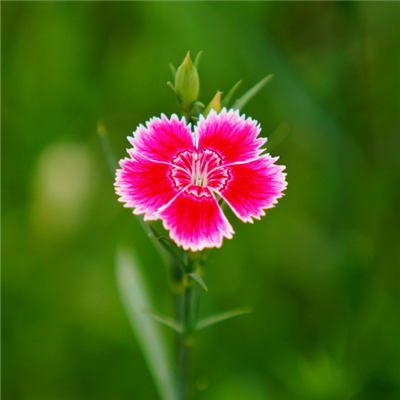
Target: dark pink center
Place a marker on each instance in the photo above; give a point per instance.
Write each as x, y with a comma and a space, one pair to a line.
201, 168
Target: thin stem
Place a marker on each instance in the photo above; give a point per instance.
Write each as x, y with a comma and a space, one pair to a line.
189, 312
184, 348
188, 116
178, 317
196, 304
183, 371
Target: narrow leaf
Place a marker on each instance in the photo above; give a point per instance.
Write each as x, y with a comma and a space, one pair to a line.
214, 319
175, 325
107, 149
242, 101
135, 297
170, 252
199, 280
173, 70
228, 97
173, 269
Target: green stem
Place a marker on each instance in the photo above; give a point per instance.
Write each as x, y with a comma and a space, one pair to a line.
183, 371
196, 303
188, 116
185, 337
190, 306
178, 316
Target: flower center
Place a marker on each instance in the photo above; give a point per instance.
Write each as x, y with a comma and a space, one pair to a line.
201, 168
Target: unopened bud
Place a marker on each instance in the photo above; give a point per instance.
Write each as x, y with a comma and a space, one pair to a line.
187, 81
215, 104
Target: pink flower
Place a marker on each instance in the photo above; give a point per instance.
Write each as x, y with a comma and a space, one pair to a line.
175, 175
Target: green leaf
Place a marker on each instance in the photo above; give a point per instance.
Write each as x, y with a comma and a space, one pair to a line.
199, 280
107, 149
135, 297
228, 97
173, 324
173, 70
197, 59
214, 319
242, 101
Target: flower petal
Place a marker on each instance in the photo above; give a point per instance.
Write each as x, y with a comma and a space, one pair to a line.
195, 219
144, 185
232, 136
162, 139
253, 187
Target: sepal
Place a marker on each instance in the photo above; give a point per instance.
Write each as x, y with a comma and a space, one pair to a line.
198, 103
173, 70
197, 59
172, 87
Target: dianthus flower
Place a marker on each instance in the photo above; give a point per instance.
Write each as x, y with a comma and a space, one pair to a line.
175, 175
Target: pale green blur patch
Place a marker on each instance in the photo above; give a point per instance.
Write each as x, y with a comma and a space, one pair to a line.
62, 185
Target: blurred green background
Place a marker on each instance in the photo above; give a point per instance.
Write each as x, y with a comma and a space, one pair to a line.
321, 270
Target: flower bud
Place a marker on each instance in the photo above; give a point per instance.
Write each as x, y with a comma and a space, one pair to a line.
215, 104
187, 81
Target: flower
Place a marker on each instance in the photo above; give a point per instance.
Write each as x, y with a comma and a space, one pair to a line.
175, 175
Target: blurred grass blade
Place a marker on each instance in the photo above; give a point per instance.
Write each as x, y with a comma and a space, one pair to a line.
214, 319
278, 136
107, 149
135, 297
242, 101
199, 280
227, 98
170, 322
